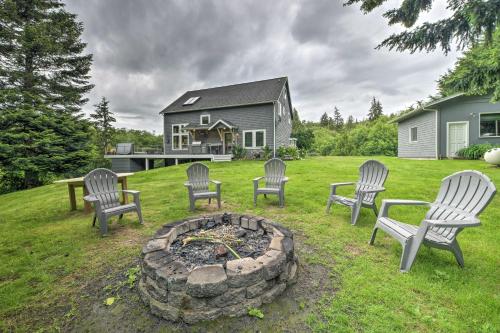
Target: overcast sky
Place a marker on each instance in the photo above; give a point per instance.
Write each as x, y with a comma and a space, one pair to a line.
147, 53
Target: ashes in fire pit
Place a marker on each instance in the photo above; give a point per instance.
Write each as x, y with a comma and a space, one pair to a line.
202, 268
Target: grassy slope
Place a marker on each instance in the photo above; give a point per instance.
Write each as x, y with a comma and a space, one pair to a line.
47, 253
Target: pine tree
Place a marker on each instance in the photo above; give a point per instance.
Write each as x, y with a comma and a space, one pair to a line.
469, 22
43, 79
375, 110
350, 122
324, 121
338, 121
103, 122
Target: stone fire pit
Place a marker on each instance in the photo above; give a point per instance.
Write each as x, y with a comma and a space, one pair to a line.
190, 269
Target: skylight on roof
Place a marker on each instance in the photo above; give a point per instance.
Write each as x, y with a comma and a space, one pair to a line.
191, 100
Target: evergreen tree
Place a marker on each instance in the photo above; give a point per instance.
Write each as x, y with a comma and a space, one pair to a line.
103, 122
375, 110
469, 22
43, 79
477, 72
338, 121
324, 121
350, 122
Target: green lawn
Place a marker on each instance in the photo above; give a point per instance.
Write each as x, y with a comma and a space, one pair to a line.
48, 254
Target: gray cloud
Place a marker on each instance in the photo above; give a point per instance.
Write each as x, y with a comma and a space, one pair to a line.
148, 53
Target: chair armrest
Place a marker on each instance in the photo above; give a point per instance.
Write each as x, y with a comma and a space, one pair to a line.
372, 190
90, 198
284, 180
333, 186
258, 178
188, 184
384, 210
216, 182
474, 222
341, 184
134, 193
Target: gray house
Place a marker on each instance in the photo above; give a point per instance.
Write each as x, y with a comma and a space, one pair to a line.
443, 127
213, 121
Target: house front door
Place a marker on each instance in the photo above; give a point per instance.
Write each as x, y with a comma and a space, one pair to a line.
458, 137
228, 142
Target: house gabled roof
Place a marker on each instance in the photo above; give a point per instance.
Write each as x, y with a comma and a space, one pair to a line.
425, 108
250, 93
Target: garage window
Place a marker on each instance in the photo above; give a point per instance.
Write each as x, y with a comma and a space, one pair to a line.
413, 134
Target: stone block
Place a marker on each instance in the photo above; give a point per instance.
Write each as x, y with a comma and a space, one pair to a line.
243, 272
182, 228
273, 263
270, 295
164, 310
288, 248
241, 309
155, 290
244, 222
235, 219
230, 297
276, 243
182, 300
207, 281
293, 274
193, 316
259, 288
193, 224
156, 244
173, 275
253, 224
154, 260
276, 232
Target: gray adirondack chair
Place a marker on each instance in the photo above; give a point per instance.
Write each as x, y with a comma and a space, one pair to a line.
462, 197
372, 176
275, 180
102, 185
197, 185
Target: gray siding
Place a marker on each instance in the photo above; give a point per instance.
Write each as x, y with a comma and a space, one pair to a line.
283, 120
466, 108
253, 117
425, 147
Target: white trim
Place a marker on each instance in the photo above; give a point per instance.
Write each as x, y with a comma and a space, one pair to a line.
437, 134
220, 121
254, 139
204, 115
274, 130
409, 132
180, 134
479, 126
448, 135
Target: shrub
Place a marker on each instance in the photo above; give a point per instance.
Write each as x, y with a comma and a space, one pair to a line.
288, 152
267, 152
239, 152
475, 152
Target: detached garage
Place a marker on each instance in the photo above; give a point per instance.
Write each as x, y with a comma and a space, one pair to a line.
443, 127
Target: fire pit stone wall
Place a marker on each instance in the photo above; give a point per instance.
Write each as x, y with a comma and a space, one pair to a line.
177, 293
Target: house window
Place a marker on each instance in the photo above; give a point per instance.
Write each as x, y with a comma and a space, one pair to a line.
204, 119
180, 137
413, 134
254, 139
489, 124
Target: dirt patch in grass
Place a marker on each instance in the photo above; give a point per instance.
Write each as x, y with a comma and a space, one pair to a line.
288, 313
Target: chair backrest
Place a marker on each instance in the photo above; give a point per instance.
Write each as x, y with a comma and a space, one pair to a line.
462, 195
103, 183
371, 174
274, 172
198, 177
